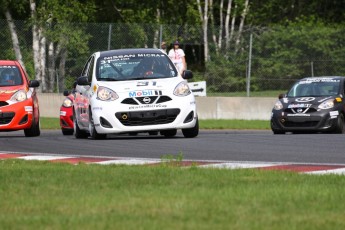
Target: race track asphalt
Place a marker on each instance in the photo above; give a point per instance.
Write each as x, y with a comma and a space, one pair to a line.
212, 145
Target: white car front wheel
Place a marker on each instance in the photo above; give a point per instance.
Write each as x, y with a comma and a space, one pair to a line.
93, 131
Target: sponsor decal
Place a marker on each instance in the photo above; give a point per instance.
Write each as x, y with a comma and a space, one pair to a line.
150, 55
141, 93
117, 58
305, 99
144, 93
298, 115
62, 113
8, 67
28, 108
311, 80
7, 91
334, 113
147, 106
126, 57
97, 108
291, 106
94, 88
285, 100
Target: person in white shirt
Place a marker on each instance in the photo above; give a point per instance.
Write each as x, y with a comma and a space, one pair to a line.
177, 56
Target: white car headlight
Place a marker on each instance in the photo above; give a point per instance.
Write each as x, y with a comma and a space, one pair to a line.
67, 102
327, 104
106, 94
182, 89
20, 95
278, 105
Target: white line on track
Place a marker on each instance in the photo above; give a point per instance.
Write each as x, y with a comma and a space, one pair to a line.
104, 160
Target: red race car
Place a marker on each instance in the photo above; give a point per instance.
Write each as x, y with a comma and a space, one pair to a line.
66, 114
66, 111
19, 109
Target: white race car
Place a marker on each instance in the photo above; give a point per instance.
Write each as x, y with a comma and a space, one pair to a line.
133, 91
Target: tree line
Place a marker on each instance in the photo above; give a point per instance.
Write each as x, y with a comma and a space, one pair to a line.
219, 28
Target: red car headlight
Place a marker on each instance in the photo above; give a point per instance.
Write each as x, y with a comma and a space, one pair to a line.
67, 102
20, 95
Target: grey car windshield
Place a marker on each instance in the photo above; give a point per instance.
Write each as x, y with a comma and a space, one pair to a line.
315, 88
135, 66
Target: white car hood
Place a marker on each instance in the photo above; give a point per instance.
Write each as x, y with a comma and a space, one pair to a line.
140, 85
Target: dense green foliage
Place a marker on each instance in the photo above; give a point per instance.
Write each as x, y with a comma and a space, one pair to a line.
290, 39
280, 56
182, 12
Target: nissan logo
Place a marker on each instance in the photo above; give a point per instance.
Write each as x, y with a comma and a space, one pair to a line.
147, 100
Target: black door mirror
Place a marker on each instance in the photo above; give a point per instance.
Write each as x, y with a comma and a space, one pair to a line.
66, 93
83, 81
187, 74
282, 95
34, 83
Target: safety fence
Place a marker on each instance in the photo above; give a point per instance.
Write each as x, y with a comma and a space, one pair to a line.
254, 62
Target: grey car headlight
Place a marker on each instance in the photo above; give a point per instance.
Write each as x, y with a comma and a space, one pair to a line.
106, 94
278, 105
327, 104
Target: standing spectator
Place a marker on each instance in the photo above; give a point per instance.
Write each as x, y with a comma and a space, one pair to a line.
177, 56
163, 47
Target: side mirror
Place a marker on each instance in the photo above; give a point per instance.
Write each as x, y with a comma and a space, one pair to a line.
66, 93
83, 80
187, 74
282, 95
34, 83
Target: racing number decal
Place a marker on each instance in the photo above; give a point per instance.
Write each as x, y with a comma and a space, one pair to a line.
146, 83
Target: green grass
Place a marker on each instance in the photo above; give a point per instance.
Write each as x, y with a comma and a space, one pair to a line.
43, 195
49, 123
234, 124
53, 123
269, 93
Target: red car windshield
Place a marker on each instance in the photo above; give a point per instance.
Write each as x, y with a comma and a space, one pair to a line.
10, 76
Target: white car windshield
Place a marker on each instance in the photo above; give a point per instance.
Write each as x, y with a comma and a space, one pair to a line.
134, 67
319, 87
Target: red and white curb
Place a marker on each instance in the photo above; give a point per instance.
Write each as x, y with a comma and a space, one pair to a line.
294, 167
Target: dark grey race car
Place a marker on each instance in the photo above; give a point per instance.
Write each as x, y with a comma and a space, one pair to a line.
314, 104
